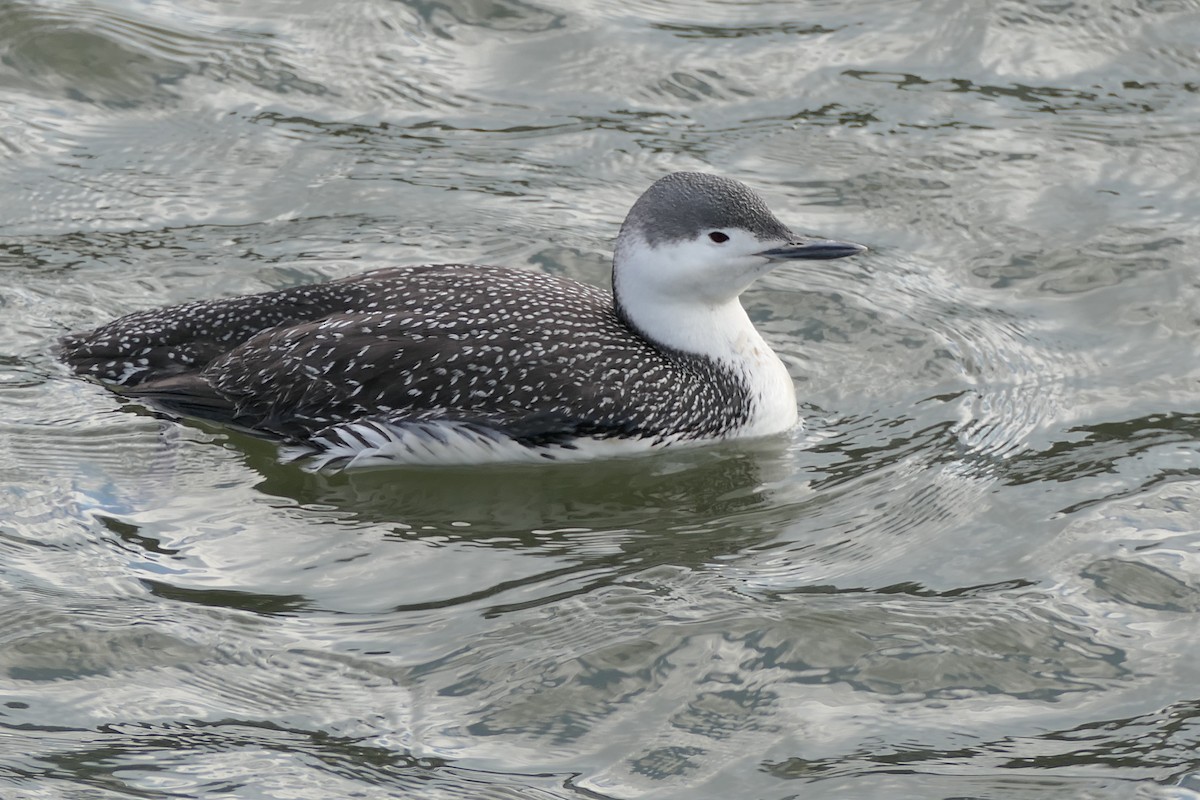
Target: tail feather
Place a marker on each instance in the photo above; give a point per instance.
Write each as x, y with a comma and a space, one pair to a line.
184, 396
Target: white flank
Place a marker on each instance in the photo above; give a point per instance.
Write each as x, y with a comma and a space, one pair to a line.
377, 444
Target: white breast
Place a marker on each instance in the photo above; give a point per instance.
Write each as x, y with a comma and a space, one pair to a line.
773, 394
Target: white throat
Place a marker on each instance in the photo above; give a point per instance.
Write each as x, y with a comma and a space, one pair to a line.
722, 332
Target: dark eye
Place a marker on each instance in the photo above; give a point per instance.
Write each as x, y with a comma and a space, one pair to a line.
718, 237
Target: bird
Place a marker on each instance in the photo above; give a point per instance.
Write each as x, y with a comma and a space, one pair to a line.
462, 364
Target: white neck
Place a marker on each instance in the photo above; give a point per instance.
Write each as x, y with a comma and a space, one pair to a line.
724, 333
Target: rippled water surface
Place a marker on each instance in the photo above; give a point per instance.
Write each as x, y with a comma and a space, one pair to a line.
974, 574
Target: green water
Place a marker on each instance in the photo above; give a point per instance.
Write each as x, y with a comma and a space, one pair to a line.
975, 573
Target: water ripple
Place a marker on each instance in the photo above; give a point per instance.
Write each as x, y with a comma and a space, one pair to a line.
974, 573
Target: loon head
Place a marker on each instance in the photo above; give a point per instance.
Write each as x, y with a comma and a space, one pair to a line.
691, 244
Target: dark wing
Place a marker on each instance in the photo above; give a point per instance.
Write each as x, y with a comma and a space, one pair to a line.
163, 342
462, 344
345, 367
297, 380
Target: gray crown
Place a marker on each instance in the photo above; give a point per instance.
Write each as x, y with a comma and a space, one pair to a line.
682, 205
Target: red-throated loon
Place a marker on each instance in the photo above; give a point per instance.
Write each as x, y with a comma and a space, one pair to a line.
462, 364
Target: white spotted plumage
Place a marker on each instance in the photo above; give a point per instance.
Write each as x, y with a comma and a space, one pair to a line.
459, 363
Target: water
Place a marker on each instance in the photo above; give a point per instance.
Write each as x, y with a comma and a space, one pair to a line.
975, 573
